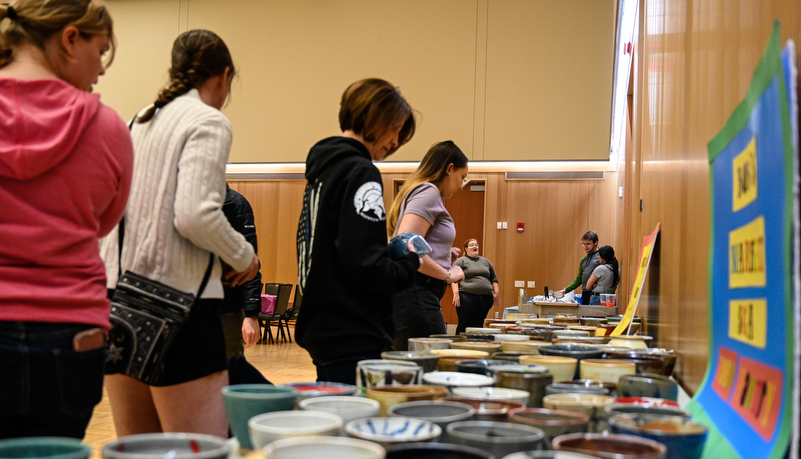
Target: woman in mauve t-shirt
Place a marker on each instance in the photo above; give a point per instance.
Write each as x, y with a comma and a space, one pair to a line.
419, 208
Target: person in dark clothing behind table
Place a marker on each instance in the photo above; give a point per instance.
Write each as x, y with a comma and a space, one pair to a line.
589, 241
345, 273
242, 304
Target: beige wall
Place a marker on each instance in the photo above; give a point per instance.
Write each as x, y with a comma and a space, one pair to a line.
695, 62
501, 78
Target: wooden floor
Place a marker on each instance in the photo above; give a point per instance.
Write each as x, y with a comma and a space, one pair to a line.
280, 363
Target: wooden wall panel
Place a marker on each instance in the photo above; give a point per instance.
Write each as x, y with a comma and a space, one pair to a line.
695, 63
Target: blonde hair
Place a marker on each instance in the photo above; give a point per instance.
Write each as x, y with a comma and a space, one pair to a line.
433, 168
35, 21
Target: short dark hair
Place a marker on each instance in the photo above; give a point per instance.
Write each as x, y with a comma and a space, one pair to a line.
590, 236
372, 106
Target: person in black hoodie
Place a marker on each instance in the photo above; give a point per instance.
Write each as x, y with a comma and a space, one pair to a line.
345, 272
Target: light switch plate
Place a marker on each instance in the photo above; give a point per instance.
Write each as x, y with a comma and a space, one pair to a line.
520, 283
531, 284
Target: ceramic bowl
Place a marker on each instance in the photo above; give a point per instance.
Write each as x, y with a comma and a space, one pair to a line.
588, 404
488, 322
643, 362
512, 356
380, 372
486, 337
568, 333
636, 323
320, 389
439, 412
610, 446
426, 360
632, 341
172, 445
481, 366
646, 401
269, 427
435, 451
562, 368
533, 383
586, 387
477, 346
451, 379
613, 409
518, 316
488, 410
565, 321
535, 333
389, 396
683, 437
439, 391
606, 370
243, 401
388, 431
453, 338
327, 447
536, 321
518, 368
45, 447
548, 455
508, 337
576, 351
523, 347
552, 422
668, 355
481, 331
492, 393
648, 385
346, 407
498, 438
449, 357
427, 344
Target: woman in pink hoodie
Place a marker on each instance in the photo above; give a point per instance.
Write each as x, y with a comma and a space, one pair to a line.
65, 173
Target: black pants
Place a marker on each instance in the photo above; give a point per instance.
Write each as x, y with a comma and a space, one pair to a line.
417, 312
473, 310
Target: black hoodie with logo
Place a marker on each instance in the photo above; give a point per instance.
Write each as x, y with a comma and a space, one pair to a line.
344, 270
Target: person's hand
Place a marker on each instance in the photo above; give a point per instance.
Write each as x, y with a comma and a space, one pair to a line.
234, 278
251, 331
457, 275
457, 301
496, 298
562, 291
455, 252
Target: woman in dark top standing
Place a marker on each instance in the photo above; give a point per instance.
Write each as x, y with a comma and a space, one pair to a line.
479, 290
345, 273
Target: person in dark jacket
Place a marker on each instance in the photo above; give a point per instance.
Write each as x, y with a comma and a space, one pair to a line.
345, 272
242, 304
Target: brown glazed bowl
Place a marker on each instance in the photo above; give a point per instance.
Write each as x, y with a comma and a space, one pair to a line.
552, 422
610, 446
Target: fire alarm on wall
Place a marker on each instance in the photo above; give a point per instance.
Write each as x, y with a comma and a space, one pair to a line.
521, 226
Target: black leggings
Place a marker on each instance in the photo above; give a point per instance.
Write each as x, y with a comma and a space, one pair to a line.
473, 310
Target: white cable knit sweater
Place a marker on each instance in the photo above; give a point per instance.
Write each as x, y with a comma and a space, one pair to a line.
174, 216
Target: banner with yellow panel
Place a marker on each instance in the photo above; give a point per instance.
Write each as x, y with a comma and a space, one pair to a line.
746, 398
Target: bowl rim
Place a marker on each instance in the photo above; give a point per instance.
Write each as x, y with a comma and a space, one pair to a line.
469, 411
660, 448
73, 447
359, 403
109, 449
479, 379
514, 393
334, 422
576, 418
537, 433
323, 440
238, 391
434, 430
634, 427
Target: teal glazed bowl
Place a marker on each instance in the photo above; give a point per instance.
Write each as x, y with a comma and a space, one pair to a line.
683, 437
44, 447
648, 385
243, 401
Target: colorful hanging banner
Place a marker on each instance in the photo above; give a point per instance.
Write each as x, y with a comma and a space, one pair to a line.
646, 251
746, 398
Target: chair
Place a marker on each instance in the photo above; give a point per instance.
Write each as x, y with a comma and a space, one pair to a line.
291, 314
281, 292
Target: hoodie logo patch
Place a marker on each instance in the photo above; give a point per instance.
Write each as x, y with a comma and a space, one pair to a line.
369, 202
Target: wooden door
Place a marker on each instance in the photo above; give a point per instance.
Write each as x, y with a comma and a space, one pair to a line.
467, 210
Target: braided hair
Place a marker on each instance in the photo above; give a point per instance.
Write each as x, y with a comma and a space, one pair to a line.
197, 55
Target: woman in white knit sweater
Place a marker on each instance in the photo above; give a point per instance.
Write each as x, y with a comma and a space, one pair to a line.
173, 221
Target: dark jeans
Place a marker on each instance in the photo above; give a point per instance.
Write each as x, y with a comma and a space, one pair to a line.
473, 310
46, 387
342, 370
417, 314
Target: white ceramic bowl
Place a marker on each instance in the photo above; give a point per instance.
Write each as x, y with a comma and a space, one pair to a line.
324, 447
493, 393
172, 445
346, 407
269, 427
508, 338
451, 379
380, 372
392, 430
